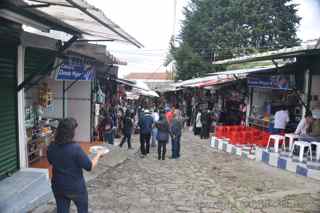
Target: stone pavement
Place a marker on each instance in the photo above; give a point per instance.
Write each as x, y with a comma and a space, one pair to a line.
201, 181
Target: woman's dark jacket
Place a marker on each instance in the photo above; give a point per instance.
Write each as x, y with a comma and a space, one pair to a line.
68, 160
163, 130
127, 125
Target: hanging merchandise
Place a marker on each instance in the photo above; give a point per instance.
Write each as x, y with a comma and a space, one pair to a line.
100, 97
45, 96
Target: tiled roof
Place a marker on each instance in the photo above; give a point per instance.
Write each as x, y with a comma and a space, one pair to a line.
149, 76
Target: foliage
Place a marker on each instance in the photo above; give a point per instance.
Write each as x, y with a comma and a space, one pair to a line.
220, 29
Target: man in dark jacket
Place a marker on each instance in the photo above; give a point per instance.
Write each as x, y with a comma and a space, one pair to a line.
175, 132
146, 125
127, 129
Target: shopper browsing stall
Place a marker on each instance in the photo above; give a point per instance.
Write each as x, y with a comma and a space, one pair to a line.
304, 126
281, 119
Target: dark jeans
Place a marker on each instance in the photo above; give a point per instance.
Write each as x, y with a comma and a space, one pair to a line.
126, 137
162, 148
205, 131
197, 130
109, 137
175, 147
145, 143
63, 202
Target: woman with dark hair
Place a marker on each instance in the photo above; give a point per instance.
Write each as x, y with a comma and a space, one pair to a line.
162, 136
68, 160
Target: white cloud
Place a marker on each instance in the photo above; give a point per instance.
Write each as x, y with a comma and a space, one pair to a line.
151, 23
309, 11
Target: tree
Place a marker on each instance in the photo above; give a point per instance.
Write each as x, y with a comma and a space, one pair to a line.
220, 29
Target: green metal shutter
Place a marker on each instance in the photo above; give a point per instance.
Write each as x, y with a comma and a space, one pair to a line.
9, 41
8, 110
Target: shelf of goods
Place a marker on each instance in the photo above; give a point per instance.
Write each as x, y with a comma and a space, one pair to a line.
37, 147
260, 123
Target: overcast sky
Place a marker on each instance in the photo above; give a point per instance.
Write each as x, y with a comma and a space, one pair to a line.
152, 23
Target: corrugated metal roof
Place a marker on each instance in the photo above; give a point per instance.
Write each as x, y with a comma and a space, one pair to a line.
148, 76
222, 77
245, 71
79, 14
305, 49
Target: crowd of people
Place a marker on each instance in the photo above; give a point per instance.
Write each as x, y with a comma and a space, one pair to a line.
155, 126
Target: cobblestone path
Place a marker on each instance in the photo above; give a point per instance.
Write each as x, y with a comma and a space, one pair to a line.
201, 181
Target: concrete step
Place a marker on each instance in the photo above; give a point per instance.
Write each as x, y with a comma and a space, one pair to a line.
25, 190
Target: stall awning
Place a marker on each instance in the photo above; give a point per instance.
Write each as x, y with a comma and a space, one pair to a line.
246, 71
218, 78
84, 18
132, 84
306, 49
140, 88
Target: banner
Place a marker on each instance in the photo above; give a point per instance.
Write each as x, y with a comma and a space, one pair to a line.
76, 68
281, 82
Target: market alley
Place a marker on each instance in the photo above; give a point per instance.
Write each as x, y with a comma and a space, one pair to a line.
201, 181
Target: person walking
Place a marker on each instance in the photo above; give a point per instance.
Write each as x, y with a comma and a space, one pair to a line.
146, 124
169, 114
162, 136
107, 125
68, 160
206, 123
127, 129
155, 116
175, 132
198, 123
114, 117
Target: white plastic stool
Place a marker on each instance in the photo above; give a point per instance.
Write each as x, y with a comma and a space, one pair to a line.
317, 144
276, 139
301, 145
292, 138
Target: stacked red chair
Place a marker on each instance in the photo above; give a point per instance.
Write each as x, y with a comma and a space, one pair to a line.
236, 137
220, 131
256, 135
263, 141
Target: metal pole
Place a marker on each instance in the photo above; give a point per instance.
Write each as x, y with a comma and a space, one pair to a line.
63, 99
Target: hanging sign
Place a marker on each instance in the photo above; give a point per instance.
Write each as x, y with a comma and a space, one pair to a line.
281, 82
76, 68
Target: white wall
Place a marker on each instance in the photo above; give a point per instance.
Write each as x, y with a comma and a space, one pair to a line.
78, 107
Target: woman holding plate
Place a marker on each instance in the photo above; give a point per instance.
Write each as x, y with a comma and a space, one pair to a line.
68, 160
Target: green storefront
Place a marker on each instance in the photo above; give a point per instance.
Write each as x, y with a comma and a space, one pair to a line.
9, 41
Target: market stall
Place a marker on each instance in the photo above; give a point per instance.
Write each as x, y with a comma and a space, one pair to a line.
269, 93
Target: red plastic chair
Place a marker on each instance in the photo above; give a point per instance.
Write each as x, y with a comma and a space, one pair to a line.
229, 131
263, 141
236, 137
257, 136
219, 131
246, 137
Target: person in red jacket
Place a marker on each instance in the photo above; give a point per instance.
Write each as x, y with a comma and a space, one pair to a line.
169, 115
